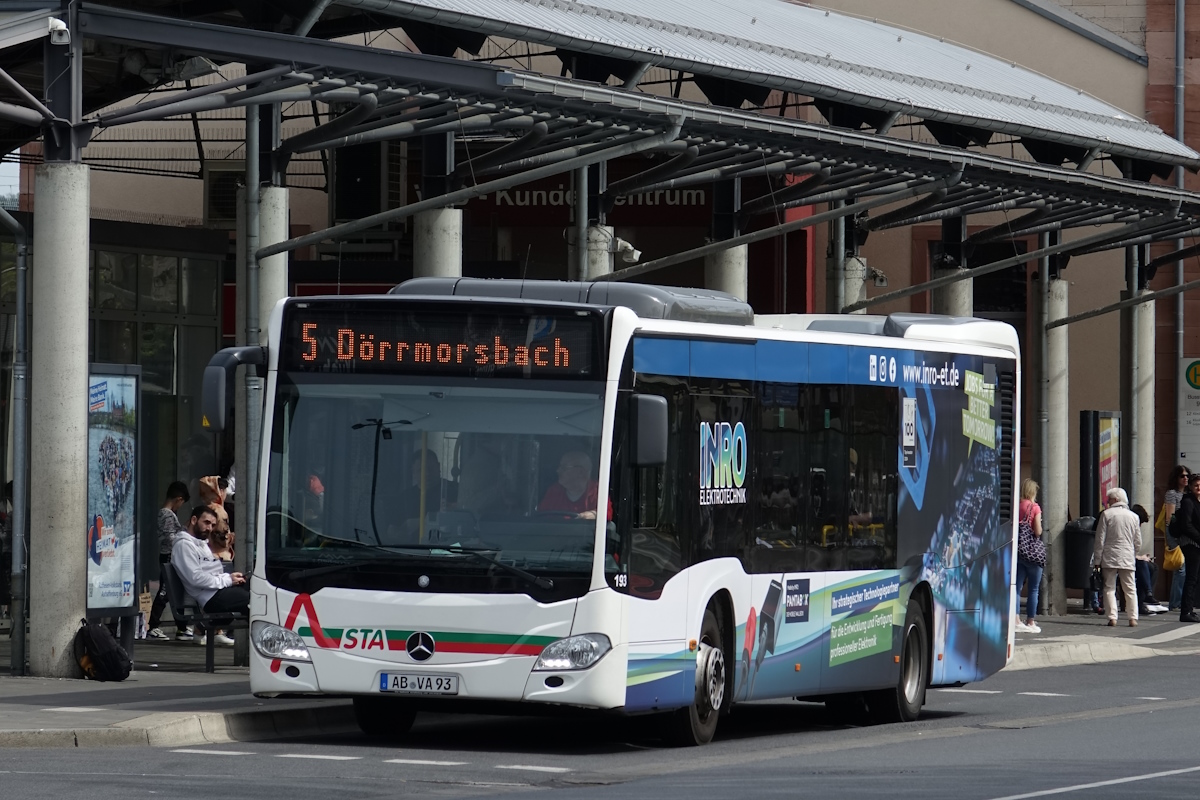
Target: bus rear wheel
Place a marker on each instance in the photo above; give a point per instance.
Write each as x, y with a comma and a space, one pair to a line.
384, 717
903, 703
696, 724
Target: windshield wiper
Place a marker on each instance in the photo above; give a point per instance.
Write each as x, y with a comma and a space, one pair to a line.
541, 583
298, 574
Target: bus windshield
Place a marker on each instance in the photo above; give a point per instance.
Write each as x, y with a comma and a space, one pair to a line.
389, 484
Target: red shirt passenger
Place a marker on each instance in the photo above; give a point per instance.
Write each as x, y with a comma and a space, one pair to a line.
575, 492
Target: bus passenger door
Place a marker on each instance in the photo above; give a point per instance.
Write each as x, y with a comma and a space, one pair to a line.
648, 552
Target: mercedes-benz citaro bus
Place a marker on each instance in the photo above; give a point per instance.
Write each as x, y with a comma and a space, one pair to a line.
628, 497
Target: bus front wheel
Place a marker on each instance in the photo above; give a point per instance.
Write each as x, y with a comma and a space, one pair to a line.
385, 717
696, 724
903, 703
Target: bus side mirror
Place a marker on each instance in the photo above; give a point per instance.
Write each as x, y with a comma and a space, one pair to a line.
217, 394
649, 430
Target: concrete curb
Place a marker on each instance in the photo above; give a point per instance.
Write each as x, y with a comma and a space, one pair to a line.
186, 730
1064, 654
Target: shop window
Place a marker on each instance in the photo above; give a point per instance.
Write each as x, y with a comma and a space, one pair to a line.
199, 286
116, 280
114, 342
157, 357
158, 283
8, 272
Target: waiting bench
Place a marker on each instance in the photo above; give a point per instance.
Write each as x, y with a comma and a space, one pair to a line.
187, 611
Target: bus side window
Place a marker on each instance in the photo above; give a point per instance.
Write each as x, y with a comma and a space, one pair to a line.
828, 454
783, 486
871, 485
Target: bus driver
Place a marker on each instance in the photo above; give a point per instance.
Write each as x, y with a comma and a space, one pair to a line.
575, 492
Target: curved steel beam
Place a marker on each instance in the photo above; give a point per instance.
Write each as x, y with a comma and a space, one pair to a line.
632, 183
503, 153
625, 147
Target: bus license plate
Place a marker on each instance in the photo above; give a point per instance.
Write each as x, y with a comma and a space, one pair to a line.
410, 683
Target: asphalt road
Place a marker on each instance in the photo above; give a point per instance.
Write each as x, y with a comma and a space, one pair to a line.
1099, 731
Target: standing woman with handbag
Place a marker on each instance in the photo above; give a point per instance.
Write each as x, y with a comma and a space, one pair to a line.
1031, 555
1177, 483
1186, 530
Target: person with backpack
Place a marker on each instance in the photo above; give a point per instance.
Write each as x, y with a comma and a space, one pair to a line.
1118, 539
1031, 555
1185, 527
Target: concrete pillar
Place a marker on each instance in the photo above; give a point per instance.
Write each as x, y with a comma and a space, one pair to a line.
243, 558
1033, 380
272, 271
1054, 511
437, 243
600, 246
58, 418
726, 271
855, 272
1143, 406
957, 299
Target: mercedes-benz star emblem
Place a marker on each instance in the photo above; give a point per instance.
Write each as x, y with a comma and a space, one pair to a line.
423, 581
420, 646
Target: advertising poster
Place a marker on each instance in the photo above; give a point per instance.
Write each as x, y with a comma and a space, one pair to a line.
1109, 470
112, 501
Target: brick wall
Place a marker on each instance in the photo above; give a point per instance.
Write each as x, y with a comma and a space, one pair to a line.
1126, 18
1160, 109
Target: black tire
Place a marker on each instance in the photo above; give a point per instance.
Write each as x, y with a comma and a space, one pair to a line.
385, 717
696, 724
903, 703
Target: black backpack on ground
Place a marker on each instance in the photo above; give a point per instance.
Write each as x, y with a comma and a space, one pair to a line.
99, 655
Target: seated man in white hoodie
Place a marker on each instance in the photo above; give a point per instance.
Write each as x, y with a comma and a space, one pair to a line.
202, 573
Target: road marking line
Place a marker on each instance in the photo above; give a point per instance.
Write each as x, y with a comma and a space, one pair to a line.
1149, 698
323, 758
971, 691
216, 752
424, 762
72, 709
1043, 694
1169, 635
532, 768
1115, 782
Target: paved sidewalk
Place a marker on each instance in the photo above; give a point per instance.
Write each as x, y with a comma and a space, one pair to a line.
1085, 638
170, 701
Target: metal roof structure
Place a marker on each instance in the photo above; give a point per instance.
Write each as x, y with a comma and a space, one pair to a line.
546, 126
841, 61
536, 126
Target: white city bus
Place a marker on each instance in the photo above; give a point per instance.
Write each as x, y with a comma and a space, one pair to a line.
627, 497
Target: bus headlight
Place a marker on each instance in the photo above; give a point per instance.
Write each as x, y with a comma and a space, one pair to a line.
574, 652
273, 641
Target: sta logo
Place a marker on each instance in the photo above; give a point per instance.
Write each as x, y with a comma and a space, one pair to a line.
363, 639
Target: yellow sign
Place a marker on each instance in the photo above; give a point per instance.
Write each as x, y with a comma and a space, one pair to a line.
204, 422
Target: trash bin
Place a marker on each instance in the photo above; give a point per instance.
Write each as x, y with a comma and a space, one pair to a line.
1080, 536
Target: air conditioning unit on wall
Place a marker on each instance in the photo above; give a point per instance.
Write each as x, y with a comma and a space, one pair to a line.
222, 179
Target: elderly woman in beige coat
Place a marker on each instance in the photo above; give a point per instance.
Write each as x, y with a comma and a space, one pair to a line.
1118, 539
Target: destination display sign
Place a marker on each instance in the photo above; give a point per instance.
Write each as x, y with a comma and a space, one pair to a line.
385, 337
